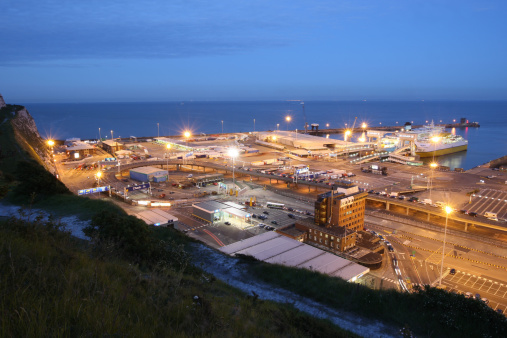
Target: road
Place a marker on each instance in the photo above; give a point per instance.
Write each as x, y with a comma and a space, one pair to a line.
481, 268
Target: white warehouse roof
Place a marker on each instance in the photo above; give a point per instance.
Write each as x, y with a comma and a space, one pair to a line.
274, 248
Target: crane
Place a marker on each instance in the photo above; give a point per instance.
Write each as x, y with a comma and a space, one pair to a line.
304, 114
355, 120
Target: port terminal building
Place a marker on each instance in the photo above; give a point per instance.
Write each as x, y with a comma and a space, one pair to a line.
309, 143
215, 211
148, 174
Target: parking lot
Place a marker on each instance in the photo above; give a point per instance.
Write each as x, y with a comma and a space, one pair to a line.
494, 290
489, 200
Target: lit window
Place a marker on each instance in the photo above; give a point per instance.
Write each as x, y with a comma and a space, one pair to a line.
326, 235
332, 237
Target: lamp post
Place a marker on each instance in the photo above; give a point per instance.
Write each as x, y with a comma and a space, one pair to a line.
99, 175
347, 133
158, 129
112, 138
100, 137
168, 147
222, 126
187, 136
447, 210
433, 165
254, 125
277, 126
288, 119
233, 153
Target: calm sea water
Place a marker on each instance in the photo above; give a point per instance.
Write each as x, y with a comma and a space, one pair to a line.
62, 121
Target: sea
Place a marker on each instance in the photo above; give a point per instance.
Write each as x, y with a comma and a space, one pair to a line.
151, 119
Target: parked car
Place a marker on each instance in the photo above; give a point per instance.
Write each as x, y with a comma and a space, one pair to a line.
265, 213
227, 223
274, 222
472, 214
452, 272
262, 225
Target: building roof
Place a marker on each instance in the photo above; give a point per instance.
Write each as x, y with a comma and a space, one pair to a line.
156, 216
275, 248
235, 205
291, 230
112, 143
148, 170
80, 146
335, 231
210, 206
237, 212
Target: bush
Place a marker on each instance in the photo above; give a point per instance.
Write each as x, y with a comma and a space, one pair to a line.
35, 180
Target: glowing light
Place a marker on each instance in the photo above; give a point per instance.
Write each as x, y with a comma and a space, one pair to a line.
51, 143
168, 146
435, 139
347, 132
362, 139
433, 165
363, 125
274, 138
448, 209
99, 174
187, 134
288, 118
233, 152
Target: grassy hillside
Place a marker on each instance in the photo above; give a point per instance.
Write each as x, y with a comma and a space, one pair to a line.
54, 285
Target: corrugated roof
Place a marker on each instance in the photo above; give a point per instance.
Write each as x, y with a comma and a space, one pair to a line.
275, 248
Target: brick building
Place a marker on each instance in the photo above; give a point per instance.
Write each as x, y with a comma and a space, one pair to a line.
343, 206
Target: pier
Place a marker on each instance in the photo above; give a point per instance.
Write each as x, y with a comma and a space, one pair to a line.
319, 132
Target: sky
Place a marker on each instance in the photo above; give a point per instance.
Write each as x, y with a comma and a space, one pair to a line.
165, 50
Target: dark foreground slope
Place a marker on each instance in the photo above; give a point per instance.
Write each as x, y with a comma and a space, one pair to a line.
53, 285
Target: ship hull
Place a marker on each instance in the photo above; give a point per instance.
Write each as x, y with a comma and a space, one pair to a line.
440, 152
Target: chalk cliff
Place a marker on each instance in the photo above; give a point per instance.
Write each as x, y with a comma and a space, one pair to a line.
26, 133
2, 102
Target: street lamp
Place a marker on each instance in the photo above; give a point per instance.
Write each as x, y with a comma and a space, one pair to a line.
112, 138
447, 210
222, 126
100, 137
168, 147
233, 153
99, 175
158, 130
347, 133
433, 165
254, 125
288, 119
277, 126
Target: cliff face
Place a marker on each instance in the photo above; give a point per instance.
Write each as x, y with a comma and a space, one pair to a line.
2, 102
26, 134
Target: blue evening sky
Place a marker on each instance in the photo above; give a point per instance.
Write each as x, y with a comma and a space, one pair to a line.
164, 50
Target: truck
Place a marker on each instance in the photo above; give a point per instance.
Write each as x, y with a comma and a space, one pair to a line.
270, 161
491, 215
426, 201
393, 194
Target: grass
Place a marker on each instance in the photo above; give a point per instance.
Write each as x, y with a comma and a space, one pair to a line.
430, 312
53, 285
